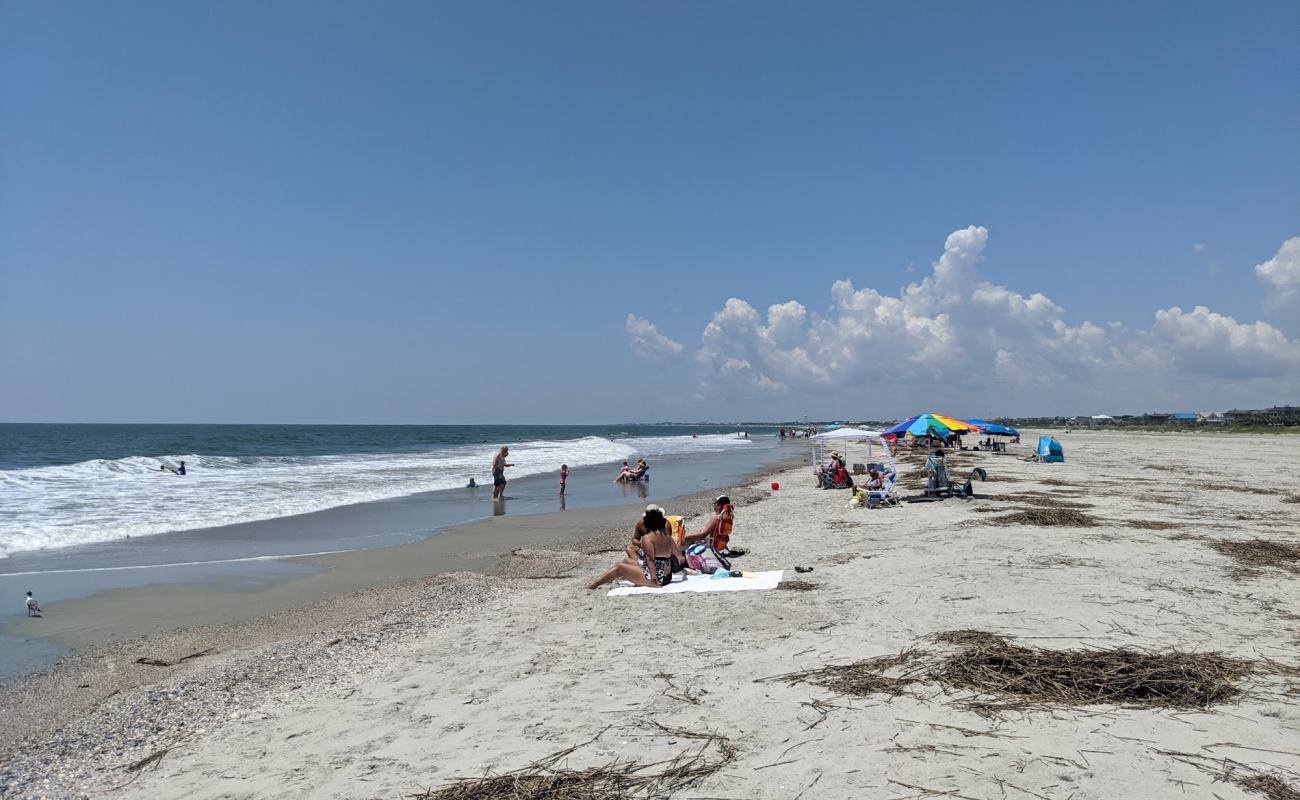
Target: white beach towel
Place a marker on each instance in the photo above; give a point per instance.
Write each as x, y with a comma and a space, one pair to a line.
706, 583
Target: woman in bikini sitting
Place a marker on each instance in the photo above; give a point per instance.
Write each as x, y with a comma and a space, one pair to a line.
652, 564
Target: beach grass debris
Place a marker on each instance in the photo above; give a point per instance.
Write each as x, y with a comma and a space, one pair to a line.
861, 678
1047, 517
1040, 499
1257, 553
1152, 524
549, 779
1235, 487
798, 586
162, 662
1270, 786
1273, 784
997, 675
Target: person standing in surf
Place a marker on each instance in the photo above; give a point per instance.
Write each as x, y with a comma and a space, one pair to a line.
499, 465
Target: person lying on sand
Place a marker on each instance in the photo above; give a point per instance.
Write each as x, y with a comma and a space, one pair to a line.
652, 566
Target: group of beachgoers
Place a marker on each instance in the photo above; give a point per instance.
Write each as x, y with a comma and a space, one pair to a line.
628, 474
794, 433
662, 547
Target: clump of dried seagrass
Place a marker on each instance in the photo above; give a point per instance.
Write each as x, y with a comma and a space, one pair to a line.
1270, 785
1002, 676
1152, 524
1261, 553
548, 780
1048, 517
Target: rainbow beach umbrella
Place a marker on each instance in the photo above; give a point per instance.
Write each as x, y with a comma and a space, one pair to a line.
929, 425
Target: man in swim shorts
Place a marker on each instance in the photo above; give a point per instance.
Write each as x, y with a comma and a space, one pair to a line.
499, 465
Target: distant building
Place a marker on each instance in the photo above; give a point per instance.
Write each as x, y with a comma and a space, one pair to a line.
1183, 417
1277, 415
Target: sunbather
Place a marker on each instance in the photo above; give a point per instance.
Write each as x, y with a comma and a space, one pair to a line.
652, 566
676, 532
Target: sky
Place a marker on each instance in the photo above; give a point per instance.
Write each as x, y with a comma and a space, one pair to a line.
571, 212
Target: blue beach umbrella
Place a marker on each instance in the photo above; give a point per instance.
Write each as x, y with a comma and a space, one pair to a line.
993, 428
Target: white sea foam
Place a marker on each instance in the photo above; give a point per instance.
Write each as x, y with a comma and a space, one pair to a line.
105, 500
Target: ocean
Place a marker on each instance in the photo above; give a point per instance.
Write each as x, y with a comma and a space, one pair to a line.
65, 486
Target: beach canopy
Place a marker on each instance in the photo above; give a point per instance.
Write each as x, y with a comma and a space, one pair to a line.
1049, 449
929, 425
847, 435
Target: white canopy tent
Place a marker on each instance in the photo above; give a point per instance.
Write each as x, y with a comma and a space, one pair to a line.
823, 441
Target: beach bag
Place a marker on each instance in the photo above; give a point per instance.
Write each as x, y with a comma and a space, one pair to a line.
703, 558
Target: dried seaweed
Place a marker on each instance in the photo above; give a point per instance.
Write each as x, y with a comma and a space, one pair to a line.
1152, 524
1040, 499
1002, 676
548, 780
861, 677
1270, 785
1257, 553
798, 586
1048, 517
1229, 487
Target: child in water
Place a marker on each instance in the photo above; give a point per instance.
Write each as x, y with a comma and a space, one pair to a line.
564, 476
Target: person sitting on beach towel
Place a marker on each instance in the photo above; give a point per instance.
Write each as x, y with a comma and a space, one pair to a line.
676, 532
652, 566
717, 532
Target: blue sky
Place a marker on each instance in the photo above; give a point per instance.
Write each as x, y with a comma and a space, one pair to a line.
445, 212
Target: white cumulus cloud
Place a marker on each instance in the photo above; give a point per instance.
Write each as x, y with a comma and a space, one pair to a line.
1282, 273
954, 337
646, 339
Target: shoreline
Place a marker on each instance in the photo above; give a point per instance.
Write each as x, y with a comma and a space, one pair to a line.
348, 586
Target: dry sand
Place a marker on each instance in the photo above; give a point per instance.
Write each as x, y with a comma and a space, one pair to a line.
494, 673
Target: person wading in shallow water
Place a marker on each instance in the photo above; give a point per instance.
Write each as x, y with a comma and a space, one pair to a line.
499, 465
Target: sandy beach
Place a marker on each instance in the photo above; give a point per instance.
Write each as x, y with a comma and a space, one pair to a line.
392, 691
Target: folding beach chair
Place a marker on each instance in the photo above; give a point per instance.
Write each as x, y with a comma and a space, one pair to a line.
884, 496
